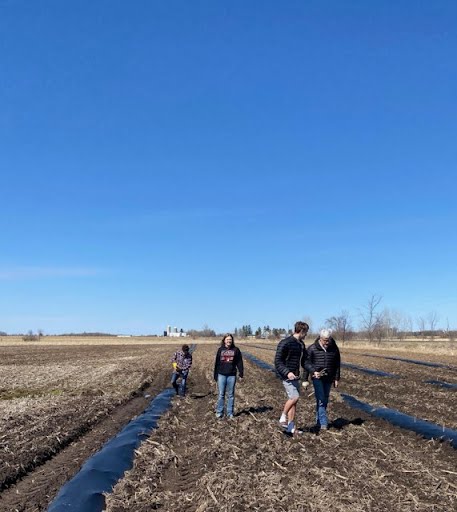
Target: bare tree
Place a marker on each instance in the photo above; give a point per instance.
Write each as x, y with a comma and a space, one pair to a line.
409, 324
399, 324
309, 321
449, 333
340, 325
205, 332
432, 318
369, 315
421, 324
30, 336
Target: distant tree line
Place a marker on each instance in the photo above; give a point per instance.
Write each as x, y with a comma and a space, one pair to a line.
264, 332
205, 332
376, 324
30, 336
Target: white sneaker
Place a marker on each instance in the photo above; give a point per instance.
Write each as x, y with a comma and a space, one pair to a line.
283, 420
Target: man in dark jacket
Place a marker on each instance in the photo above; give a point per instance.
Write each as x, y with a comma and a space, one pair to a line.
323, 363
290, 356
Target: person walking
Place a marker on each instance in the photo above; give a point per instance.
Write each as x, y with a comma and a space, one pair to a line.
323, 364
228, 361
182, 362
290, 356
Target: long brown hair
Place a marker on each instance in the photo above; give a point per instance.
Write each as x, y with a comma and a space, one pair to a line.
225, 336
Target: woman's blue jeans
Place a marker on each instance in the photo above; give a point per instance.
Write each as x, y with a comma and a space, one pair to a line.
322, 393
181, 388
226, 385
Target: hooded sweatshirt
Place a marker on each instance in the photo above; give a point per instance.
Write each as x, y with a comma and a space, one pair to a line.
228, 360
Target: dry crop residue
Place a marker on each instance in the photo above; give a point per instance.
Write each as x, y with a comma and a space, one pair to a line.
45, 436
196, 463
408, 394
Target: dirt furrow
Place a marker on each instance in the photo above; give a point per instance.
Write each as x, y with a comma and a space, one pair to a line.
36, 487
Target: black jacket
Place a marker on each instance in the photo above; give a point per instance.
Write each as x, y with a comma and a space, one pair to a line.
318, 359
227, 362
290, 355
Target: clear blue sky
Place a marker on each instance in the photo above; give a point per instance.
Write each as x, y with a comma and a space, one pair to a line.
223, 163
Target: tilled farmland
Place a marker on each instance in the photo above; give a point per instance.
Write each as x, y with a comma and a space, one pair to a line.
58, 405
198, 463
408, 392
194, 462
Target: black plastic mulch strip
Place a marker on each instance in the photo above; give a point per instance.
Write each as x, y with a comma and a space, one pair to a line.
378, 373
414, 361
99, 474
443, 384
259, 362
424, 428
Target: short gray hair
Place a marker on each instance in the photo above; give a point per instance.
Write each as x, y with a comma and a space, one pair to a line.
325, 333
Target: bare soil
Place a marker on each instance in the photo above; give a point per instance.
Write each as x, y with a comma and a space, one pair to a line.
197, 463
46, 435
71, 399
409, 393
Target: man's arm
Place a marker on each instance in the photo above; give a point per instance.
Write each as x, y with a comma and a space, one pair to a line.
303, 363
309, 367
280, 357
338, 365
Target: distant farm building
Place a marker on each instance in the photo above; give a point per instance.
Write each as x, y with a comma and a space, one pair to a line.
174, 333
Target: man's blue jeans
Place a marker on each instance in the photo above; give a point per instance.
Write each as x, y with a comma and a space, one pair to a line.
181, 388
226, 385
322, 393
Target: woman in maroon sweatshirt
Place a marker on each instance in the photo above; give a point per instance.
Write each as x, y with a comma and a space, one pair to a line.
228, 361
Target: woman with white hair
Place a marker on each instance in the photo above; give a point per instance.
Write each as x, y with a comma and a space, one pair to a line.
323, 364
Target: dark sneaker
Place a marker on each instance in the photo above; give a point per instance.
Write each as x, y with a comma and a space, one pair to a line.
291, 428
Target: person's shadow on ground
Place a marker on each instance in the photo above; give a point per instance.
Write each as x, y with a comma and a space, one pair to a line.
200, 394
338, 424
341, 423
252, 410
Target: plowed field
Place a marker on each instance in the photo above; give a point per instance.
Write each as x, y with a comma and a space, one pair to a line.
198, 463
59, 404
409, 393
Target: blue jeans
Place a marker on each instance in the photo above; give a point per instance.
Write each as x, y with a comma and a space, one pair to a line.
322, 393
225, 384
181, 388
